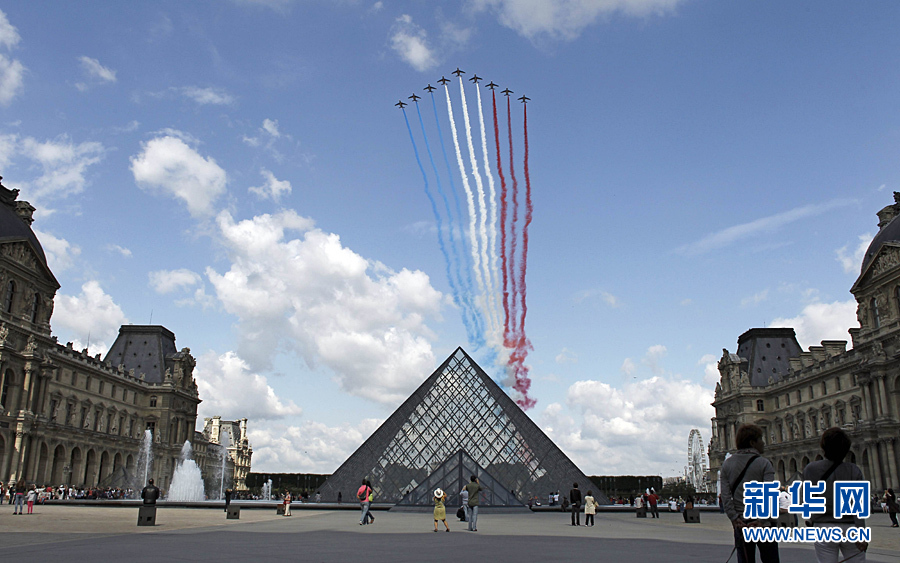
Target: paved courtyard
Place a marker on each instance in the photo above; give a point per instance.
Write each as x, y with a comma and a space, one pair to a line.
89, 533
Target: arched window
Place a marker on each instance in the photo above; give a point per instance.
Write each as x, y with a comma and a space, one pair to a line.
873, 305
35, 307
4, 390
10, 295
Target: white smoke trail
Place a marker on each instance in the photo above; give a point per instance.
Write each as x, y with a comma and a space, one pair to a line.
492, 231
490, 305
470, 200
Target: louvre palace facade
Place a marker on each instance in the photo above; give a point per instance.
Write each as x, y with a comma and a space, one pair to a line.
66, 416
794, 395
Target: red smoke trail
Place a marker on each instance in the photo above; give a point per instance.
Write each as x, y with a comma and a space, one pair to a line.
523, 345
513, 337
502, 222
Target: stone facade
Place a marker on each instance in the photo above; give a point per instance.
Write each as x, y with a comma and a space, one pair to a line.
795, 395
238, 446
66, 416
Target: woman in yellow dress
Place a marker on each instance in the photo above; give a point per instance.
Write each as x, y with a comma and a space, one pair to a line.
440, 513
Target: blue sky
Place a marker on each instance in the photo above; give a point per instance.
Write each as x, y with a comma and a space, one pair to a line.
237, 170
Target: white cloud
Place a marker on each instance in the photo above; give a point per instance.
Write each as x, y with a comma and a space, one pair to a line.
653, 357
252, 141
9, 36
229, 389
64, 165
12, 79
167, 281
822, 321
851, 261
273, 188
270, 126
94, 69
710, 365
169, 164
90, 316
410, 41
565, 19
8, 145
772, 223
755, 299
313, 296
310, 447
125, 252
628, 367
60, 253
619, 429
566, 356
605, 296
206, 96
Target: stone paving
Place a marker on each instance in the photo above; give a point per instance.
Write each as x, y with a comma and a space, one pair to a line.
90, 533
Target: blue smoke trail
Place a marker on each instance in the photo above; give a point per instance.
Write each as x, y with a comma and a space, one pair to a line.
467, 281
471, 332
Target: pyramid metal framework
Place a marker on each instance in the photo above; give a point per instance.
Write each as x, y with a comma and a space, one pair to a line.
459, 407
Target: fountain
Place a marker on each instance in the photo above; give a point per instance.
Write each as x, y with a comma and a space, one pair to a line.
267, 490
187, 482
224, 442
144, 461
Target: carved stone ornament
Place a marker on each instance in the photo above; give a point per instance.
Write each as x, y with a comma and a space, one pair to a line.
888, 259
21, 253
862, 313
4, 333
31, 345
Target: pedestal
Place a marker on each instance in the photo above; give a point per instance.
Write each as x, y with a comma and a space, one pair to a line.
234, 513
642, 512
147, 515
692, 516
279, 509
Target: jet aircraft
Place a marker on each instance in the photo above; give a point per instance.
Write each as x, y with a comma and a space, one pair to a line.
507, 92
429, 88
400, 104
524, 99
415, 98
475, 78
492, 85
444, 80
457, 72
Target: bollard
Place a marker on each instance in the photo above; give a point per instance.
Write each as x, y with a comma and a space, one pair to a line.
147, 515
279, 509
234, 513
692, 516
642, 512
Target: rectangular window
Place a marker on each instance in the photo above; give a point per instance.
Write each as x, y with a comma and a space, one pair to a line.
100, 388
68, 413
131, 428
787, 398
777, 402
760, 405
121, 424
799, 396
811, 395
83, 417
837, 382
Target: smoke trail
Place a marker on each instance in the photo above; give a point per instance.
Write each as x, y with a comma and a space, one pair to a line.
457, 298
492, 232
502, 222
514, 298
523, 383
464, 265
476, 258
487, 291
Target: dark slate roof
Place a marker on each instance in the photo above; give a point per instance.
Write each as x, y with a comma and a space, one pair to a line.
889, 233
146, 349
767, 351
14, 229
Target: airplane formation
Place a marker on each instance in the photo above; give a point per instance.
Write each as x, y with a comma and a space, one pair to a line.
444, 80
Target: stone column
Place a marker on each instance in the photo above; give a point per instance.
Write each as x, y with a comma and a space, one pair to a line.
17, 455
882, 393
7, 459
875, 460
31, 467
891, 462
866, 405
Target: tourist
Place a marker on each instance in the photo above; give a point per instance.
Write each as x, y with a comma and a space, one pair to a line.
464, 503
228, 493
474, 488
340, 497
371, 500
590, 507
318, 496
835, 444
150, 493
575, 499
287, 502
653, 500
440, 512
747, 464
688, 505
890, 500
363, 496
20, 496
31, 498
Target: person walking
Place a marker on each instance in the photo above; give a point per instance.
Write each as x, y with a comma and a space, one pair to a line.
575, 500
363, 495
227, 499
590, 507
287, 502
747, 464
464, 503
890, 499
20, 496
31, 498
440, 512
473, 488
653, 499
835, 444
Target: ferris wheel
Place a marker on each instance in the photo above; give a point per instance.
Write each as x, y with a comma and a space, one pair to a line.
696, 466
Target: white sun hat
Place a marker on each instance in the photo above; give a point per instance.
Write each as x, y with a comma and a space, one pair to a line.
438, 493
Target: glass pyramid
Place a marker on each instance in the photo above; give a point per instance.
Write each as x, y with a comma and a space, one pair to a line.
452, 476
459, 407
